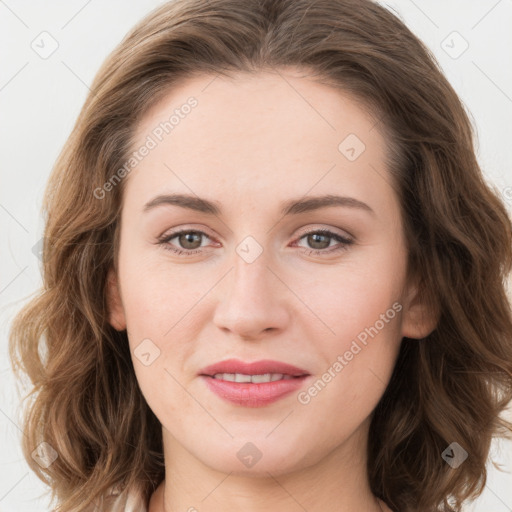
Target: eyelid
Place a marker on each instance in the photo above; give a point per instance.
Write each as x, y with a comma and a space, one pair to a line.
186, 227
336, 231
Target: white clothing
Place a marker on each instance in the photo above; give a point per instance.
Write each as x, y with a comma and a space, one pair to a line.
125, 501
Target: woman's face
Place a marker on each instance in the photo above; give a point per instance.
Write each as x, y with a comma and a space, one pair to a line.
252, 281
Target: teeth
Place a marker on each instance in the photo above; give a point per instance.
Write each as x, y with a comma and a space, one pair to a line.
255, 379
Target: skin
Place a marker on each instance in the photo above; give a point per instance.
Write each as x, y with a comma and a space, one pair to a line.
251, 143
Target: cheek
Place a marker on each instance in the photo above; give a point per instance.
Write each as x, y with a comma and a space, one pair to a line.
367, 307
161, 323
162, 305
157, 295
359, 337
358, 294
360, 356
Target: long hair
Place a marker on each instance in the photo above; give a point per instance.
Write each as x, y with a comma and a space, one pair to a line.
449, 387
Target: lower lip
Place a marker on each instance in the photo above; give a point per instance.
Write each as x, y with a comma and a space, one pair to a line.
253, 395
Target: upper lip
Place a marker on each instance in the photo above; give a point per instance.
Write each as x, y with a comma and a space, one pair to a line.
255, 368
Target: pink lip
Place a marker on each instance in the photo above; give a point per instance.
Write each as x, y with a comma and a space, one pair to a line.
246, 393
256, 368
253, 395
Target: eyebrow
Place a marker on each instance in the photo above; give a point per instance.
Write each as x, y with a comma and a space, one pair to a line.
290, 207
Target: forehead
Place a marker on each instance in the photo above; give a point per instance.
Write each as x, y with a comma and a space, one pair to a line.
229, 136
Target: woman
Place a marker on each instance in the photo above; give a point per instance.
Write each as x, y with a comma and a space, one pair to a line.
274, 276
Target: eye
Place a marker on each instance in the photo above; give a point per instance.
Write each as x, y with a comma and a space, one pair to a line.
319, 239
190, 242
187, 238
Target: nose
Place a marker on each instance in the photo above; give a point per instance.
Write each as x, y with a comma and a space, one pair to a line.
251, 300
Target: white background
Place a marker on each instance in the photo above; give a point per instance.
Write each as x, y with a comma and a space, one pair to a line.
41, 98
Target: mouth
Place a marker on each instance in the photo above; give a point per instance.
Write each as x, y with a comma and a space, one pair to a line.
253, 384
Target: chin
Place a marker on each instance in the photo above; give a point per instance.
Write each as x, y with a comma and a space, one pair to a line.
254, 458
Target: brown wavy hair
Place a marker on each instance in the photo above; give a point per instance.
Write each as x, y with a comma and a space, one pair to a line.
453, 385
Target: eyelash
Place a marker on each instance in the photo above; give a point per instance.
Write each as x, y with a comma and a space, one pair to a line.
345, 242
